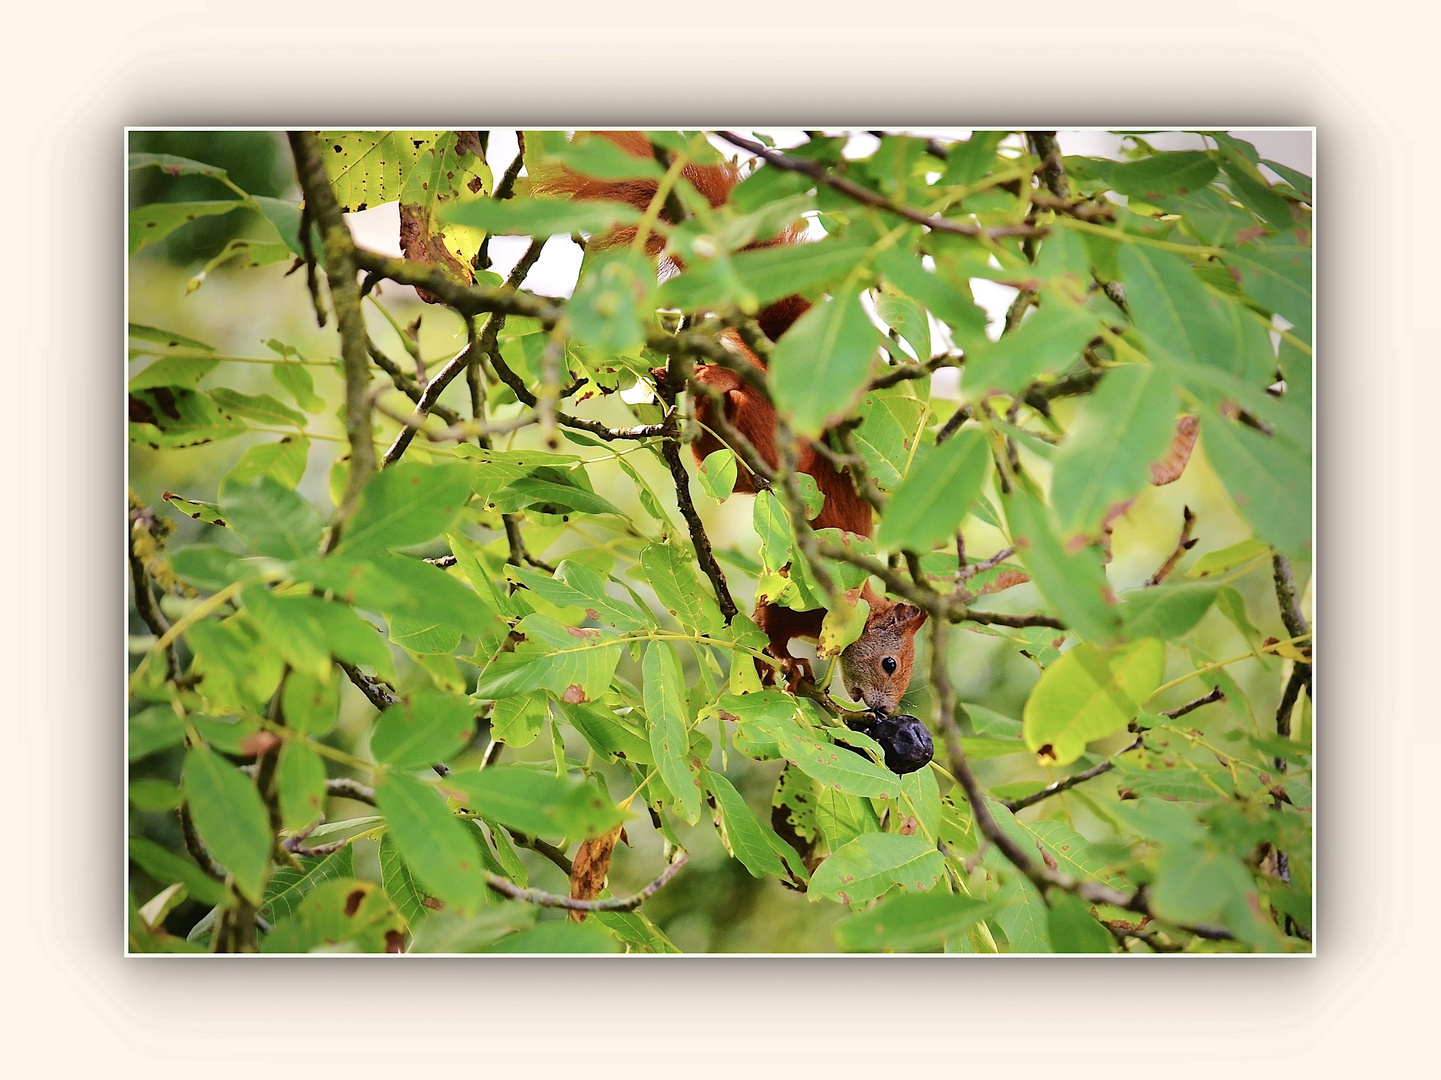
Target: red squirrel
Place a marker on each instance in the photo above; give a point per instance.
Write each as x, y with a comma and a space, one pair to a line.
876, 668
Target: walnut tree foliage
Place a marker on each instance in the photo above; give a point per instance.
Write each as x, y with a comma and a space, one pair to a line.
509, 637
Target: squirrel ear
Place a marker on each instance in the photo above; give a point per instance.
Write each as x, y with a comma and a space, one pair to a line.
909, 617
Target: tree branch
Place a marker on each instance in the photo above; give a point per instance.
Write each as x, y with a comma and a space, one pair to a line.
339, 252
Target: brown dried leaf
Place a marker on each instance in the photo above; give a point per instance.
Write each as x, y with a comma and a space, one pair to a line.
1170, 467
421, 242
590, 867
1006, 579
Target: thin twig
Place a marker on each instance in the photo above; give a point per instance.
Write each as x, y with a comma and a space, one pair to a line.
852, 190
1066, 783
552, 900
678, 373
1183, 544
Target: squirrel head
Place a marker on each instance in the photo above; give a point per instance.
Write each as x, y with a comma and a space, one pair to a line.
876, 667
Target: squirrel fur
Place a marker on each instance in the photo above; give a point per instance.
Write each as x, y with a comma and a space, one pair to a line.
876, 668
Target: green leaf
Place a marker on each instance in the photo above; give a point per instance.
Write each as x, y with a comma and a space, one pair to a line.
542, 217
339, 913
558, 937
300, 778
752, 279
165, 339
575, 663
741, 832
844, 623
821, 364
167, 867
155, 796
395, 585
297, 382
1049, 340
1195, 882
1023, 917
595, 155
450, 172
1268, 477
577, 585
282, 461
150, 224
971, 160
173, 165
288, 886
186, 371
272, 519
538, 803
1074, 583
169, 417
452, 932
666, 709
1089, 693
1277, 276
440, 849
311, 705
423, 635
1171, 173
408, 897
240, 668
911, 922
404, 505
804, 747
672, 575
516, 721
259, 407
1167, 611
230, 818
890, 428
612, 302
907, 273
1072, 928
870, 865
717, 474
550, 497
1228, 558
1127, 423
430, 727
367, 168
290, 627
610, 733
1181, 321
935, 497
908, 319
841, 817
156, 728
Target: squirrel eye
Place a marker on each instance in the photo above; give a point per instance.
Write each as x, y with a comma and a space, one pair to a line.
889, 663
